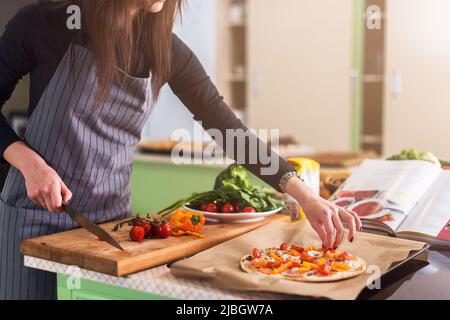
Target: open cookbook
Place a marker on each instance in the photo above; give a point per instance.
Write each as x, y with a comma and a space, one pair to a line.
408, 199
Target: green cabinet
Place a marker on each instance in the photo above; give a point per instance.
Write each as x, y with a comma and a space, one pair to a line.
91, 290
155, 185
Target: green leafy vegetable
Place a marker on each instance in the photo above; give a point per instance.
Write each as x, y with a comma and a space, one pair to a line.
235, 183
413, 154
234, 177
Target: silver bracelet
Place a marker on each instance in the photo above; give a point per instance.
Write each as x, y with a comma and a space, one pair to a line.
288, 176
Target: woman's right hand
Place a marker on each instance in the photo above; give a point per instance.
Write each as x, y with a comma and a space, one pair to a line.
45, 188
43, 184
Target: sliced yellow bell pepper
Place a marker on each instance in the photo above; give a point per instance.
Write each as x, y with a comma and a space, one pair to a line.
179, 233
275, 256
295, 253
310, 265
303, 269
260, 263
283, 268
330, 254
321, 261
340, 267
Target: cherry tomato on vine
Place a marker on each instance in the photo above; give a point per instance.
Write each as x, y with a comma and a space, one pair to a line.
139, 222
137, 234
162, 230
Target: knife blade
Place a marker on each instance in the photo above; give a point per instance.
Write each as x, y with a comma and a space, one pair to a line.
79, 218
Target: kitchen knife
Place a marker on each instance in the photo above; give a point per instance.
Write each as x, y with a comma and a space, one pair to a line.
79, 218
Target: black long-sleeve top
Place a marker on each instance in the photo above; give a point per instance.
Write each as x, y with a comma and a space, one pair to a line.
35, 41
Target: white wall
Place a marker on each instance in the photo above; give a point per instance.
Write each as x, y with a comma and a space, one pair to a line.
199, 31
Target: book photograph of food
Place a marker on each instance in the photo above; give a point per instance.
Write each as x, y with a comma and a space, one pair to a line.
224, 158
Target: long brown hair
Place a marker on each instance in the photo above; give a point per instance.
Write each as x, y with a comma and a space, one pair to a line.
120, 38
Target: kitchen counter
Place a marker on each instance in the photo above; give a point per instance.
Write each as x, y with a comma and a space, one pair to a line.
413, 280
155, 284
166, 159
285, 152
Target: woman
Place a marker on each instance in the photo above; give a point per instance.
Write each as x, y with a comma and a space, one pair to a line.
91, 92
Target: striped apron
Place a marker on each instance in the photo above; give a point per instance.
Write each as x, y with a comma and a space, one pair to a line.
91, 148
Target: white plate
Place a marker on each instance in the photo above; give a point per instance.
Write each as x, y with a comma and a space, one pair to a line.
235, 217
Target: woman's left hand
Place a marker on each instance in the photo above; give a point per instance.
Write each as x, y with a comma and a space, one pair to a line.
326, 218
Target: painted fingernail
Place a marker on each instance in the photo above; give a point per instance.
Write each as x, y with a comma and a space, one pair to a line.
351, 240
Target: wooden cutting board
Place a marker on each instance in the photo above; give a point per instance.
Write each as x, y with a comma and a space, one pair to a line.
79, 247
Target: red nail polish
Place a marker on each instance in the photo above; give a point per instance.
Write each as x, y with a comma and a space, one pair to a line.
351, 240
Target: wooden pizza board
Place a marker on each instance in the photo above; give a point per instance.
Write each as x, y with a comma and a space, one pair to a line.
79, 247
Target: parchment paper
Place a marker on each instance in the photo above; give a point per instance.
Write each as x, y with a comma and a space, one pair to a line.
220, 265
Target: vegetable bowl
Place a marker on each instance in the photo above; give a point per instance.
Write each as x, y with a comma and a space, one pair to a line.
239, 217
233, 199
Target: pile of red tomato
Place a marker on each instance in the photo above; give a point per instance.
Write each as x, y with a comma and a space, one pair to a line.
228, 207
144, 229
